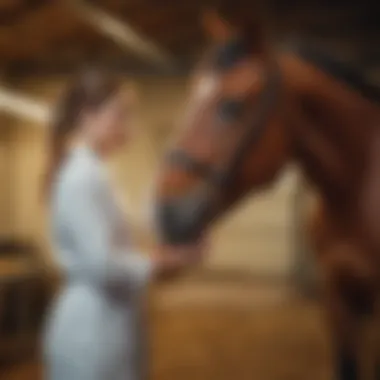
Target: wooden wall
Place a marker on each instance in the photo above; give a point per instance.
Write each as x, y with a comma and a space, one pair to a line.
256, 238
259, 235
4, 175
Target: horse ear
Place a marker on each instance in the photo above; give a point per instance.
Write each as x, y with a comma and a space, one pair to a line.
214, 26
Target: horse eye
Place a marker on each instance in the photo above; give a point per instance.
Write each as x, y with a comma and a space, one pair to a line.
230, 109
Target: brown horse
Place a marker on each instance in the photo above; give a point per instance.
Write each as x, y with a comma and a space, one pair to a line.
252, 109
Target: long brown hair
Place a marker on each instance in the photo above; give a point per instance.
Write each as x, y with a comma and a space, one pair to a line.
87, 91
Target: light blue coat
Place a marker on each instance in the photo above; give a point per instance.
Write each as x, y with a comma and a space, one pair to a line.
94, 328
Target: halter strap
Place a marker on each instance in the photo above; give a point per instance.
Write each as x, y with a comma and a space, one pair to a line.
219, 178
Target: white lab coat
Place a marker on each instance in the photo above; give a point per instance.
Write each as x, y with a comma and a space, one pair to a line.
94, 330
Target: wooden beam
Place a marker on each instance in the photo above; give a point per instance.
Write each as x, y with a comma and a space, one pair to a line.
16, 10
23, 106
122, 33
122, 66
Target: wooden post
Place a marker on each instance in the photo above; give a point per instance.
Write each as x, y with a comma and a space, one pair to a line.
304, 270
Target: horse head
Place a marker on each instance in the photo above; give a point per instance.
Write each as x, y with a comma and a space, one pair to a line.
231, 139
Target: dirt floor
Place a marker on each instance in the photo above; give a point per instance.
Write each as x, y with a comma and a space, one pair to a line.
229, 332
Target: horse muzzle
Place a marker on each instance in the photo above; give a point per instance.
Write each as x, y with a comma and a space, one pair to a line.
183, 219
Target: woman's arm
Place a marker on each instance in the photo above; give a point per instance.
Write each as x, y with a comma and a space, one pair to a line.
86, 218
85, 210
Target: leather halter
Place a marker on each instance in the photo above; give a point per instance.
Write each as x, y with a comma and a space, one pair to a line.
257, 125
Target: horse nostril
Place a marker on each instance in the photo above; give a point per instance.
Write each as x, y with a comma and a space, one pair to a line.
173, 226
166, 221
181, 220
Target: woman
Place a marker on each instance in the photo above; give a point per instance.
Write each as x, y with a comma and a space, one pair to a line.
94, 327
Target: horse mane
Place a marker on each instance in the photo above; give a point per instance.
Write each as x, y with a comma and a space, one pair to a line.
337, 68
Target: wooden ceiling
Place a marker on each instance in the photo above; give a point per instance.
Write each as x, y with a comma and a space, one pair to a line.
51, 35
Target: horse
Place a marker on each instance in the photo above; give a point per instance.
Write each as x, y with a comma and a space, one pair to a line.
254, 107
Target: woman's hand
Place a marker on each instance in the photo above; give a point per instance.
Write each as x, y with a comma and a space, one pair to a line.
172, 260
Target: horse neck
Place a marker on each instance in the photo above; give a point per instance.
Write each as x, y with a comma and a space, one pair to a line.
331, 127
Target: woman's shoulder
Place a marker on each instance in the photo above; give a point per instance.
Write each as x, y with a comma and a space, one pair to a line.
80, 171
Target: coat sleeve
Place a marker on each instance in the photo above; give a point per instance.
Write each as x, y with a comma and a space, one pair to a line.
90, 230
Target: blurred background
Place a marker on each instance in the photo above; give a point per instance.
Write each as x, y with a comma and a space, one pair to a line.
252, 310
